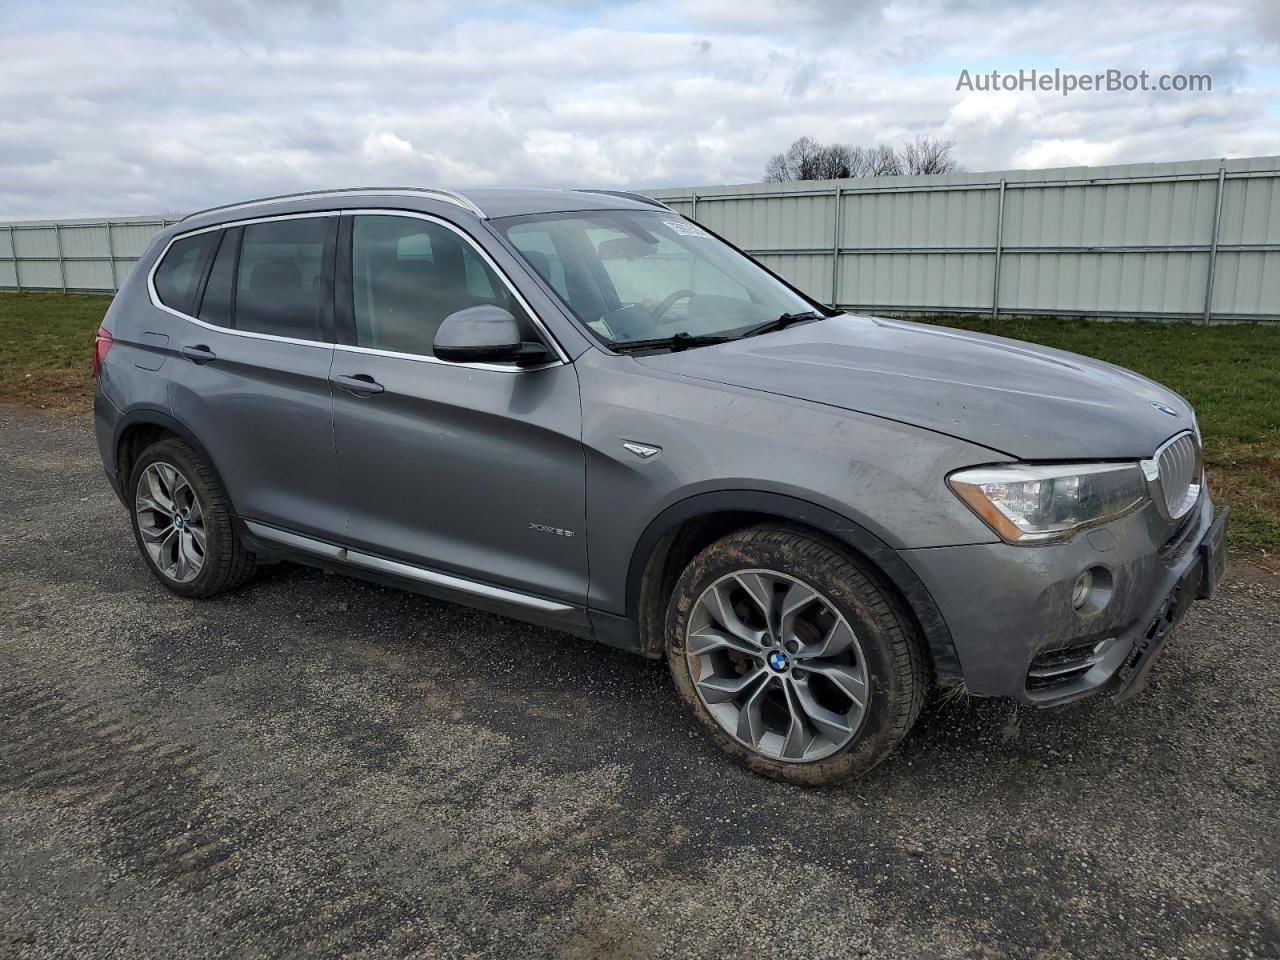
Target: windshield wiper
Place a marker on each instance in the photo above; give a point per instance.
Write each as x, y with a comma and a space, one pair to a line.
784, 321
683, 340
679, 341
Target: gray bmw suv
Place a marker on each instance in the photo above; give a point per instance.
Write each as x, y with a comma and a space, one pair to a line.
586, 411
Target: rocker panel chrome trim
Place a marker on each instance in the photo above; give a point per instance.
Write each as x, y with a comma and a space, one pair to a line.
407, 570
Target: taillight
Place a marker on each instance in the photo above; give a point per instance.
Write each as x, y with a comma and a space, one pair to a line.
101, 345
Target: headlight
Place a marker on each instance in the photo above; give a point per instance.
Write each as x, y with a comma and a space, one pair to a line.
1044, 503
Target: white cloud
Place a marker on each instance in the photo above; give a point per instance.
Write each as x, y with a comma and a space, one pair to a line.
1065, 153
978, 114
384, 145
133, 108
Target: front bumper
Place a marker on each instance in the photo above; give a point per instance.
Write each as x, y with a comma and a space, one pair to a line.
1011, 619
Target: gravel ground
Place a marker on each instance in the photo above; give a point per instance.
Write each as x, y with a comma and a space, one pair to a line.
318, 766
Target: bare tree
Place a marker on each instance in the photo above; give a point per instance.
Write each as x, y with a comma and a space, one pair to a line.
839, 161
776, 169
808, 159
804, 160
928, 155
883, 161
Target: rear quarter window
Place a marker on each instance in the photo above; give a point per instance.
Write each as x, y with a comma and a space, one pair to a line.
177, 279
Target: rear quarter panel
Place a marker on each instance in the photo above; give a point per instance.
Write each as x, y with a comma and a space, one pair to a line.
136, 374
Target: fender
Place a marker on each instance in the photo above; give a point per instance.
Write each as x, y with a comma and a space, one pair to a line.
849, 532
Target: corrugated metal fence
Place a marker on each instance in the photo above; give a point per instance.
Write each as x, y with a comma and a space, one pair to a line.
1194, 240
83, 255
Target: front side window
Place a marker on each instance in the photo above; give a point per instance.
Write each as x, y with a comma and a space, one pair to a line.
279, 281
636, 276
178, 277
408, 275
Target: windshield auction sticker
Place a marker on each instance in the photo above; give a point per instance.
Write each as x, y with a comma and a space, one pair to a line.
686, 229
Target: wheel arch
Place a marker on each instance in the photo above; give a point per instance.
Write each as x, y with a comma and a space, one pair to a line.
684, 528
138, 430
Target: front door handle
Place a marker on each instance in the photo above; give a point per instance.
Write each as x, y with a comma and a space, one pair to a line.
361, 384
199, 353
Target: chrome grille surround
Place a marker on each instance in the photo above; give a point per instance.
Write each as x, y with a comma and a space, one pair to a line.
1176, 473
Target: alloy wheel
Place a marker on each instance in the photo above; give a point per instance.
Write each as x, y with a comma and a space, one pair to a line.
777, 665
171, 522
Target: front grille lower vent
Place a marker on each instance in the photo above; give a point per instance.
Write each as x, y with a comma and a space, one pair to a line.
1059, 668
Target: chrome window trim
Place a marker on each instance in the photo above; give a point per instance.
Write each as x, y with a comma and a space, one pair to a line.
155, 297
493, 265
419, 358
563, 358
370, 562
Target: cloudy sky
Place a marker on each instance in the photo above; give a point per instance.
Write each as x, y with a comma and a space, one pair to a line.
145, 106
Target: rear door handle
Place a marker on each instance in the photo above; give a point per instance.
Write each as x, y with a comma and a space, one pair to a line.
199, 353
361, 384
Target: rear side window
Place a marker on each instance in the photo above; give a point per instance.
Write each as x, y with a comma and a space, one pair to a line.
177, 279
279, 280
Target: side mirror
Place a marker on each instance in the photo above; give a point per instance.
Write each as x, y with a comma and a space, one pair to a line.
485, 334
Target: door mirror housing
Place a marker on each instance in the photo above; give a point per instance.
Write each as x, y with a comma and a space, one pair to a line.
485, 334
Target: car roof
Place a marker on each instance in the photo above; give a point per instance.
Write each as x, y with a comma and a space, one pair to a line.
485, 203
514, 202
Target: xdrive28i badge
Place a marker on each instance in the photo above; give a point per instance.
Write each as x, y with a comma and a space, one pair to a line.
1164, 408
546, 528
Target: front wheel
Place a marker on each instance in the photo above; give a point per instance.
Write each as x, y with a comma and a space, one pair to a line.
799, 662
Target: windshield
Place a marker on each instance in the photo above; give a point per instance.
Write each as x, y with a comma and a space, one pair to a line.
635, 276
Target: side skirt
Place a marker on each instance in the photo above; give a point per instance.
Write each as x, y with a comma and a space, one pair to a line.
281, 544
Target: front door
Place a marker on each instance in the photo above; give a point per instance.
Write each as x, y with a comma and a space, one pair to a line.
476, 470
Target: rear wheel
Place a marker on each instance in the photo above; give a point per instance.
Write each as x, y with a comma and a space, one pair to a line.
182, 522
799, 662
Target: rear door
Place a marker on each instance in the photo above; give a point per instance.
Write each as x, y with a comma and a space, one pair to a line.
473, 469
251, 374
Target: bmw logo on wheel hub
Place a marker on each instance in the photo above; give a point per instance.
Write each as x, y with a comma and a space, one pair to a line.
778, 661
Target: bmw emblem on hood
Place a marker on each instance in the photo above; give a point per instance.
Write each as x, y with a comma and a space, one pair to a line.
1164, 408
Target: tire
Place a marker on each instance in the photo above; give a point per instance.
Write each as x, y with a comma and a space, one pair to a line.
172, 482
848, 662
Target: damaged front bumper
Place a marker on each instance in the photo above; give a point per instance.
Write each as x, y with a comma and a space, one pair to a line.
1199, 582
1017, 633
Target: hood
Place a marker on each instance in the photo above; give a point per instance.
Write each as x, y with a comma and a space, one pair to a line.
1027, 401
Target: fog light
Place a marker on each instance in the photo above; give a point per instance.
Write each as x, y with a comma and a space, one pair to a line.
1080, 592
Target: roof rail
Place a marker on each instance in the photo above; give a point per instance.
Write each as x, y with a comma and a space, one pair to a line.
627, 195
448, 196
